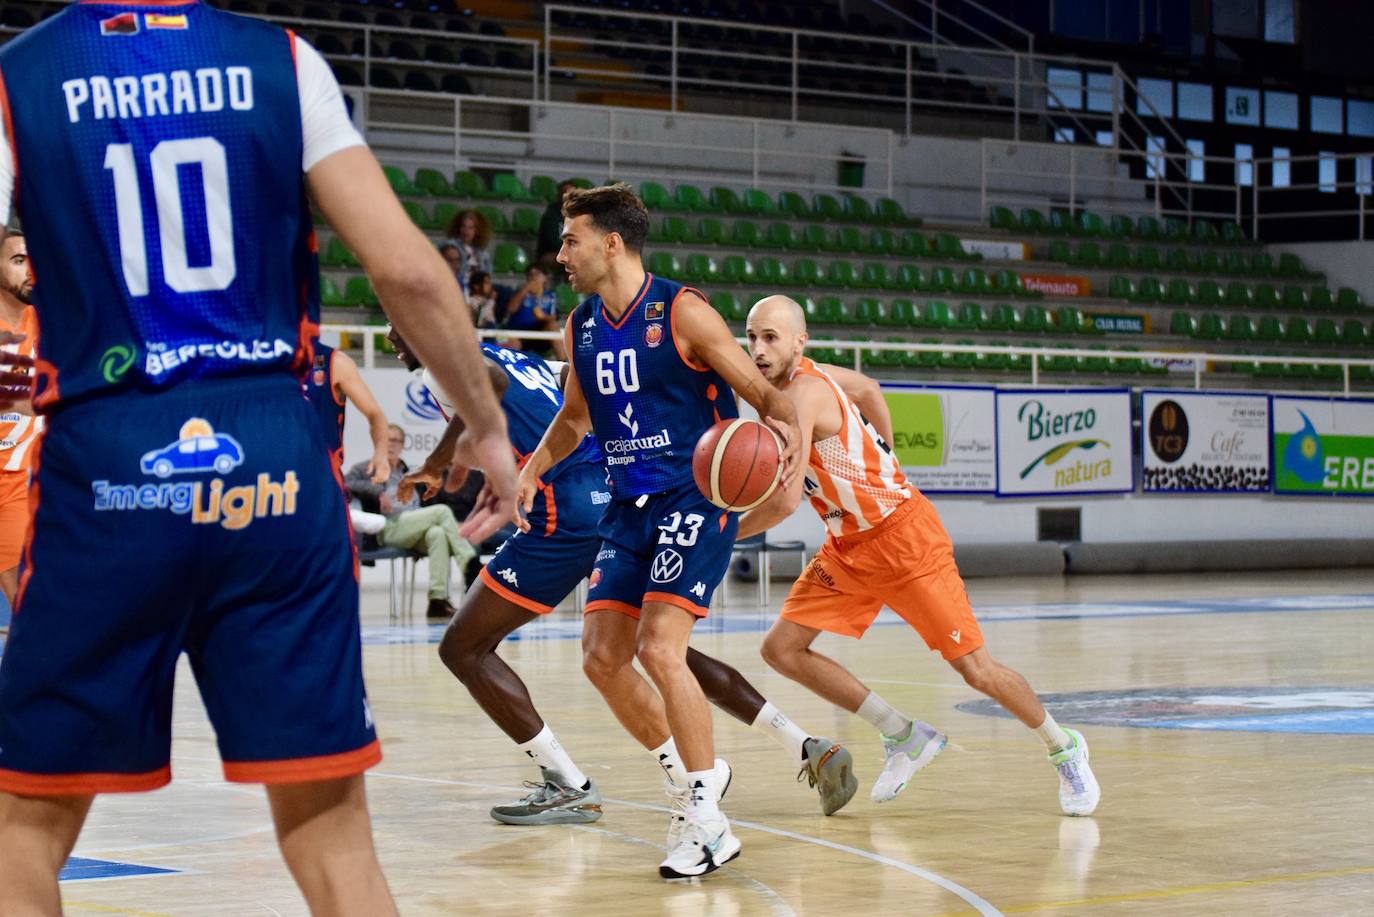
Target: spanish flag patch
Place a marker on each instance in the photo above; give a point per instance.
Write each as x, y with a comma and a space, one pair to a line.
161, 21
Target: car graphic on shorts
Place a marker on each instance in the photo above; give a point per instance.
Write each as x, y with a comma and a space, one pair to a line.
199, 448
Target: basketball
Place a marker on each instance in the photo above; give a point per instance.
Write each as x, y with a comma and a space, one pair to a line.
737, 464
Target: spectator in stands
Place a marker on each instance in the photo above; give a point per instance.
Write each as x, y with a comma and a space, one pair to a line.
535, 307
482, 298
551, 234
431, 530
471, 233
453, 256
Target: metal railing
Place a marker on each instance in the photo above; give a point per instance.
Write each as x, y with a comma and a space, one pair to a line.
371, 334
532, 137
1349, 197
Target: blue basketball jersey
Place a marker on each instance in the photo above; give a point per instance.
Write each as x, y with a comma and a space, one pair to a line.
648, 405
530, 401
176, 241
319, 390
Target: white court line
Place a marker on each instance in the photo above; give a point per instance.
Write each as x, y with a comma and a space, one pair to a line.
978, 903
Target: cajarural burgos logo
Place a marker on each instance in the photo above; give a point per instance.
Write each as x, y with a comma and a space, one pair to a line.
1041, 425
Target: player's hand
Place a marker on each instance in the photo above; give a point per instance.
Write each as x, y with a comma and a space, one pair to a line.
790, 434
428, 476
380, 469
490, 452
527, 489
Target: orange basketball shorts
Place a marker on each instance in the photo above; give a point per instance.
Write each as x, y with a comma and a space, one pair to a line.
905, 563
14, 516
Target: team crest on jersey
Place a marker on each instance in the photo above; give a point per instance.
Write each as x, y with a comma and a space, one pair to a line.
594, 578
653, 312
123, 24
653, 334
319, 377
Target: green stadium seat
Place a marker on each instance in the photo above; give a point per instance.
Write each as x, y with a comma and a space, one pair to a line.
869, 311
909, 277
1061, 251
1033, 221
794, 205
1353, 333
508, 187
942, 280
841, 274
1205, 232
1008, 283
525, 220
1124, 365
915, 245
1149, 291
336, 254
699, 268
770, 272
1147, 258
1089, 224
1297, 331
970, 317
1319, 299
1266, 297
959, 360
1002, 218
1089, 254
831, 310
1324, 331
991, 362
444, 214
1061, 222
999, 318
543, 189
568, 298
658, 232
1262, 264
1361, 374
711, 231
937, 314
1209, 327
1092, 365
886, 210
779, 236
331, 295
850, 240
875, 276
1232, 233
759, 203
818, 239
806, 272
1016, 362
843, 314
1269, 330
1295, 299
1348, 300
1074, 319
472, 186
883, 242
903, 312
358, 292
727, 305
857, 210
433, 183
745, 233
1034, 320
1052, 362
887, 315
399, 181
1148, 228
1209, 263
724, 200
1179, 293
975, 282
495, 218
1119, 287
1118, 256
928, 359
1209, 293
1290, 266
656, 197
827, 207
417, 214
1240, 329
665, 264
1180, 261
1236, 263
1122, 227
509, 258
1175, 230
691, 198
947, 246
1238, 294
736, 269
1182, 324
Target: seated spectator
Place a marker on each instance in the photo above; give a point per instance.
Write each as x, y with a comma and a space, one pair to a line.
431, 530
551, 234
482, 299
535, 307
470, 232
453, 256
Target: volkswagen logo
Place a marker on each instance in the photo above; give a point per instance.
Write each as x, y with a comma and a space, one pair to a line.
667, 566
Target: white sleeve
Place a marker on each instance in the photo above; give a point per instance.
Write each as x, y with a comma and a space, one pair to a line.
428, 381
325, 126
6, 173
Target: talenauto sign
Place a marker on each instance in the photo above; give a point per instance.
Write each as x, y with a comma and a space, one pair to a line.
1063, 441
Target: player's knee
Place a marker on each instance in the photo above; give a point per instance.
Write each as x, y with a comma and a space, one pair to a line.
659, 657
779, 658
980, 675
600, 664
456, 657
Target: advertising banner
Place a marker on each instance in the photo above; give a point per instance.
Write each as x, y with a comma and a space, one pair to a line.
406, 403
1063, 441
1057, 285
995, 251
1323, 446
945, 436
1216, 442
1120, 324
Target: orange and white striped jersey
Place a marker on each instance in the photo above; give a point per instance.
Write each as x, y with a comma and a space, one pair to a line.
18, 431
852, 478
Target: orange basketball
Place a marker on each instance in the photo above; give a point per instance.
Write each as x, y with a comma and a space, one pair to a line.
737, 464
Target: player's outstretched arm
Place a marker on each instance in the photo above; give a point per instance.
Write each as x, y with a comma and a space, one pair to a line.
867, 394
423, 300
807, 394
708, 342
350, 382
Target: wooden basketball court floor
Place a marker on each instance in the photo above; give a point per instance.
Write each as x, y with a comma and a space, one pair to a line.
1230, 718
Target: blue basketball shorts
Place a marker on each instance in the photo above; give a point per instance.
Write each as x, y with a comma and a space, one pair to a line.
207, 520
537, 569
671, 547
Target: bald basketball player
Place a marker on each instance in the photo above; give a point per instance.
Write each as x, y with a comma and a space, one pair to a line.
885, 546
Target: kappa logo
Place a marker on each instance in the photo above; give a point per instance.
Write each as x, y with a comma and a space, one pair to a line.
507, 574
628, 420
590, 322
699, 590
667, 566
954, 635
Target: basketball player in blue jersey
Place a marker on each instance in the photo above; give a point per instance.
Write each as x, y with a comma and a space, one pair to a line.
652, 368
162, 157
534, 571
332, 381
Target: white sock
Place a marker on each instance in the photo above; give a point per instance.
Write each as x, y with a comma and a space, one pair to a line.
703, 784
546, 752
884, 717
774, 723
1055, 739
667, 757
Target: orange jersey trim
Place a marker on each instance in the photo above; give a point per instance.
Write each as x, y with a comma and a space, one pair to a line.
514, 598
25, 784
551, 510
677, 342
301, 770
667, 598
611, 605
648, 279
